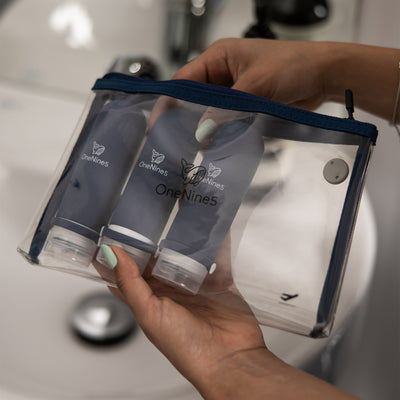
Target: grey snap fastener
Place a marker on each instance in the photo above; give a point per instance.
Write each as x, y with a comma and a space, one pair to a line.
336, 171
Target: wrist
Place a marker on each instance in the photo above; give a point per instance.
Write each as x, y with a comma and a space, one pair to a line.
334, 64
232, 377
371, 72
257, 374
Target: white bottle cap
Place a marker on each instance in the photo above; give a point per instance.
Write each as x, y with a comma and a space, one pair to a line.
141, 257
180, 271
67, 249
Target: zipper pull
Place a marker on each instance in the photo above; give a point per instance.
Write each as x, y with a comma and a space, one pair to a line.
349, 101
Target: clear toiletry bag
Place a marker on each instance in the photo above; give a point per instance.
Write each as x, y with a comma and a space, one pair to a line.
220, 196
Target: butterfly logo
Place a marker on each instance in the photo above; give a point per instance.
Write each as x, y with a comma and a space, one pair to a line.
213, 171
98, 149
192, 174
157, 157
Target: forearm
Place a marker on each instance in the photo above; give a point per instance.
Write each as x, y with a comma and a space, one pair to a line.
371, 72
258, 374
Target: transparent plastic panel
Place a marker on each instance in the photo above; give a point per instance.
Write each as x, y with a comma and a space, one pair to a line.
243, 211
291, 212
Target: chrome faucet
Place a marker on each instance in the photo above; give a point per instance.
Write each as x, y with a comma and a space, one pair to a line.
187, 23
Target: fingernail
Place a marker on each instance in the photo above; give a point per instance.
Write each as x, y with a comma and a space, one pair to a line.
205, 129
109, 255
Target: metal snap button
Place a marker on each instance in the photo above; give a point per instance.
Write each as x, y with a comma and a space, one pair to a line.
336, 171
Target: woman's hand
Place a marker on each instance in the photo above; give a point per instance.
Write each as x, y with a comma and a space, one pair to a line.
214, 341
288, 72
200, 334
302, 74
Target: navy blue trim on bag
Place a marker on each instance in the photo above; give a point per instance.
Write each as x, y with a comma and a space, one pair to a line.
333, 280
222, 97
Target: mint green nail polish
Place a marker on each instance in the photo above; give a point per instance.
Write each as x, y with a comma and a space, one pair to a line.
109, 255
205, 129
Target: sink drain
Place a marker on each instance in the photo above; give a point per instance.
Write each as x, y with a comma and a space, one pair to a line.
100, 318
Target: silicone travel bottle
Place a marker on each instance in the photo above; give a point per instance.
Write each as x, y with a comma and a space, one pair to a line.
47, 218
95, 182
209, 206
153, 187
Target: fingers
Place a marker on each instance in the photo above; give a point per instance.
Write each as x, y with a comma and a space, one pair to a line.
247, 84
259, 66
211, 66
117, 293
211, 120
195, 70
133, 289
163, 104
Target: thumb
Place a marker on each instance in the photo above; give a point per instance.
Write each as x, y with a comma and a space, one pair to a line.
136, 292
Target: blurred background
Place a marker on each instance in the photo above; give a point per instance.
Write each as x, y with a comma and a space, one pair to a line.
52, 51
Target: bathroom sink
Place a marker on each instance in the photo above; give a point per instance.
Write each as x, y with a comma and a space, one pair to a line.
40, 355
40, 104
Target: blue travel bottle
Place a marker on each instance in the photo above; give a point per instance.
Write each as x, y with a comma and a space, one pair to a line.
209, 206
94, 184
154, 186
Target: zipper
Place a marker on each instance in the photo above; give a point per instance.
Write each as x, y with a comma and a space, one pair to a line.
219, 96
